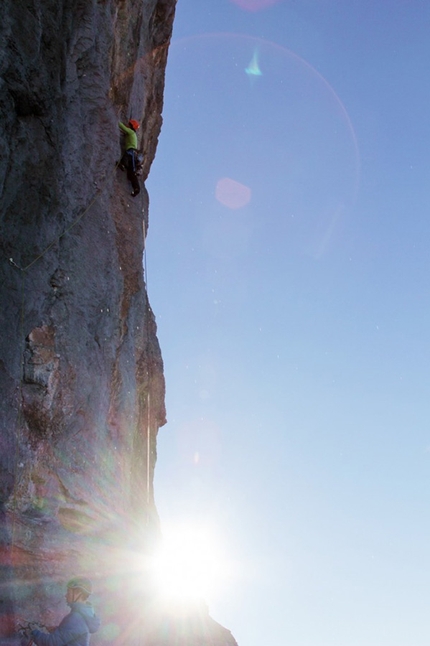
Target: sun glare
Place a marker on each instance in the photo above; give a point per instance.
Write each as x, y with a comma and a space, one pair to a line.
190, 564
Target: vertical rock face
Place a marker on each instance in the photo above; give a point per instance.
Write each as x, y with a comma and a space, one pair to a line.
81, 373
80, 366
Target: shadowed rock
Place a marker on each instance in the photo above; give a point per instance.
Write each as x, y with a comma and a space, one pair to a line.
81, 372
80, 367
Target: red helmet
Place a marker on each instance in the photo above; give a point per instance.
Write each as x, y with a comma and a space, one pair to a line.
134, 124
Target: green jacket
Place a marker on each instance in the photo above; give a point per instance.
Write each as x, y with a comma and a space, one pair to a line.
130, 137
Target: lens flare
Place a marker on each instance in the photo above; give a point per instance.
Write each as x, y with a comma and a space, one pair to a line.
253, 68
254, 5
189, 565
232, 194
272, 123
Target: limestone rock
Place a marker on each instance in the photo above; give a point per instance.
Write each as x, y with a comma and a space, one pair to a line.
80, 367
81, 372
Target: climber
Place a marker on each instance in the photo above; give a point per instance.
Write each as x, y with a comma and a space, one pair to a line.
129, 158
78, 624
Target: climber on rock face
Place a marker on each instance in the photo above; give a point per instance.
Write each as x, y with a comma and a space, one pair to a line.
78, 624
129, 158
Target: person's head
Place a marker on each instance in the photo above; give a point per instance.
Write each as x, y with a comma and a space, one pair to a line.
78, 589
133, 124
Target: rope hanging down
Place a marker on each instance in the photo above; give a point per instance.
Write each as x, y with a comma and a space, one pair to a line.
66, 230
23, 271
148, 451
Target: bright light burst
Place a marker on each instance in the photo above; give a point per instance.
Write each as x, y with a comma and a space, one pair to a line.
190, 564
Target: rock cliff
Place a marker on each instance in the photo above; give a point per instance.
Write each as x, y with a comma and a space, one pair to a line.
81, 371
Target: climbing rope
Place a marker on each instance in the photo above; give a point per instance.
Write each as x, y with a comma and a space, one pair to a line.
148, 449
69, 228
148, 404
23, 271
146, 268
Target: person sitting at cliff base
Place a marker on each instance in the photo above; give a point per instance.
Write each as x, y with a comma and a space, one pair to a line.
129, 158
76, 627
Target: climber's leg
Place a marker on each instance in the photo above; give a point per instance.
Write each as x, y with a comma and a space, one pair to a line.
131, 172
123, 163
135, 184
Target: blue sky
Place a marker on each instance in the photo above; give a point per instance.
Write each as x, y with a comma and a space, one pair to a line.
294, 328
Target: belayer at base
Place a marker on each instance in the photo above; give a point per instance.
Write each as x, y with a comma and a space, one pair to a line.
78, 624
129, 158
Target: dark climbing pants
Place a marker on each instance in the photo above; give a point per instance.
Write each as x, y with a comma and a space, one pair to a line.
129, 160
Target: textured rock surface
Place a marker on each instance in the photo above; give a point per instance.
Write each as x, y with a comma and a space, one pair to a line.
80, 367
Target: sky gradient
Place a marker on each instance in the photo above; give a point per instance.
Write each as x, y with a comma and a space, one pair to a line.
288, 267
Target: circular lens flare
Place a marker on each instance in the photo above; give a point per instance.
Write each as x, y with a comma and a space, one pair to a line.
262, 131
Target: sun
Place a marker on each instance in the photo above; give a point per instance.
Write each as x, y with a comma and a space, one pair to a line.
190, 564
